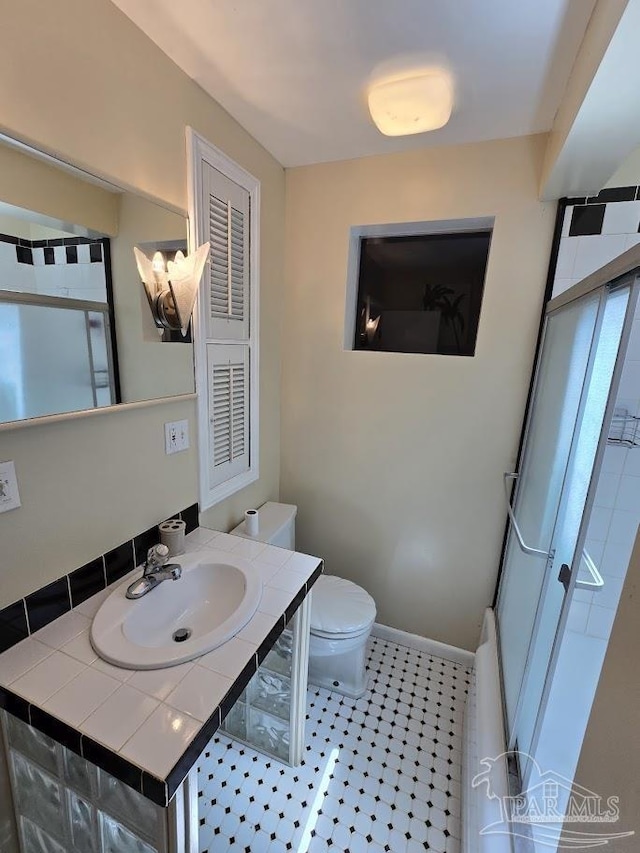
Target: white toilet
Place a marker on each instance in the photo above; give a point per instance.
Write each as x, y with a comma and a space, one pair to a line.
342, 613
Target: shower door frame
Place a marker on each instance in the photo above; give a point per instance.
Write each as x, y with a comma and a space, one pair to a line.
631, 280
622, 271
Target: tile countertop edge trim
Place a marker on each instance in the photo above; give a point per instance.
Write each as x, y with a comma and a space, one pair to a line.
159, 791
179, 772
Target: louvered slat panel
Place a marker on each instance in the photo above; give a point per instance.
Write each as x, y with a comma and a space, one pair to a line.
227, 272
228, 215
239, 413
218, 257
237, 264
237, 283
220, 407
229, 412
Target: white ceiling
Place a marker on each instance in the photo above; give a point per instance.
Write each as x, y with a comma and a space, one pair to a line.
294, 73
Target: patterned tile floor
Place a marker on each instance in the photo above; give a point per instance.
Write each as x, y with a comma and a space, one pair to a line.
381, 773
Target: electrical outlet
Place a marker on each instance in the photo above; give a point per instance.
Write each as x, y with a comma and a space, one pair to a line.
9, 496
176, 436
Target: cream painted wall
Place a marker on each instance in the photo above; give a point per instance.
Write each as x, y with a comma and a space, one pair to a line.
395, 460
87, 485
628, 174
80, 80
35, 185
584, 145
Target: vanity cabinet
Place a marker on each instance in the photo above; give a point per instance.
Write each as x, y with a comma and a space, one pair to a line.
71, 793
65, 804
270, 713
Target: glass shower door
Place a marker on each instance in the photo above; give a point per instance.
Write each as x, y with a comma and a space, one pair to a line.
567, 560
560, 379
573, 383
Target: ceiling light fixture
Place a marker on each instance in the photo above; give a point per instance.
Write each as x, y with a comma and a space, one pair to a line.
414, 104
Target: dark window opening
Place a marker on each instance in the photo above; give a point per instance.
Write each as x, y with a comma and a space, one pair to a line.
421, 294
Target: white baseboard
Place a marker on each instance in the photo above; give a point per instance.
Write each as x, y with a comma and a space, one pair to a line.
423, 644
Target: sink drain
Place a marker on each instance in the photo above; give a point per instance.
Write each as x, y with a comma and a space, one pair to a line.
181, 635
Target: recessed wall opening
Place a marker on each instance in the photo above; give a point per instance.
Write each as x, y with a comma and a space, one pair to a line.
419, 292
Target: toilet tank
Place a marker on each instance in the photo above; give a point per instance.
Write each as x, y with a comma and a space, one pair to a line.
276, 525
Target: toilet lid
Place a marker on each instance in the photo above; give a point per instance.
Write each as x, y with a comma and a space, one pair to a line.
339, 606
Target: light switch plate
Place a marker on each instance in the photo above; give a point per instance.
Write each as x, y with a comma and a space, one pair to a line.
9, 495
176, 436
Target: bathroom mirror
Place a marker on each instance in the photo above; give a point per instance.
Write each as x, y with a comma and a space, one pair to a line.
76, 332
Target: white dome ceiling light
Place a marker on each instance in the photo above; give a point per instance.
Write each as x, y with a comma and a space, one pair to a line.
412, 104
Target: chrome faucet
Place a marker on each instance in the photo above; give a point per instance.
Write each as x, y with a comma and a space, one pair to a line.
155, 571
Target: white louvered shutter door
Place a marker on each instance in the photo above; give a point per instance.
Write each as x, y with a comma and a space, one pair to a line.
226, 205
228, 379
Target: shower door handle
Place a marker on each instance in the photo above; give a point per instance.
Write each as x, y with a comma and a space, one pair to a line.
534, 552
565, 576
593, 585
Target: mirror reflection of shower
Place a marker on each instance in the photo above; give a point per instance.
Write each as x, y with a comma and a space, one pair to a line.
55, 339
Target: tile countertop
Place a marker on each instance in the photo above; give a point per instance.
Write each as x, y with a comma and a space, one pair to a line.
148, 727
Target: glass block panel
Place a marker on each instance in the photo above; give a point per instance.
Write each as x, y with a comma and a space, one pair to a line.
32, 743
268, 733
39, 797
235, 723
279, 658
36, 840
78, 773
82, 817
117, 839
127, 805
271, 692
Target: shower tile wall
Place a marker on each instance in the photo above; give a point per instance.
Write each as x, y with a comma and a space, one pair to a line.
595, 231
615, 516
612, 530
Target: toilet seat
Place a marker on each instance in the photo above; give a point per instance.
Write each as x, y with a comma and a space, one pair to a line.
340, 609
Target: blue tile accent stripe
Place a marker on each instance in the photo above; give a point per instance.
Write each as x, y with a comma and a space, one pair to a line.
48, 603
51, 601
13, 625
607, 196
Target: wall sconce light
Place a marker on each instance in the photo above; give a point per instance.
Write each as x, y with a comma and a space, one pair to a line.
371, 328
172, 288
370, 325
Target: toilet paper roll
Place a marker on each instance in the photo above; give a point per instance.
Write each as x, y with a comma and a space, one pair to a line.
172, 535
252, 522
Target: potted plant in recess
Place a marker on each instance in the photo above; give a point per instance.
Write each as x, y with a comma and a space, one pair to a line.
439, 298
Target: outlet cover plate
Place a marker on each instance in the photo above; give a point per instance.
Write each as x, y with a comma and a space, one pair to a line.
176, 436
9, 495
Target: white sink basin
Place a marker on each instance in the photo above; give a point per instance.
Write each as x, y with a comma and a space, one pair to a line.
214, 599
